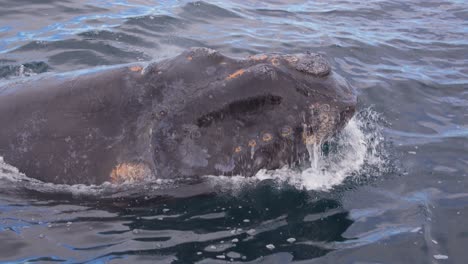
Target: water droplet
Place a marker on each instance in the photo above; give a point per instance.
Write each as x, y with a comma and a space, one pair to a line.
233, 255
314, 153
251, 231
439, 256
270, 246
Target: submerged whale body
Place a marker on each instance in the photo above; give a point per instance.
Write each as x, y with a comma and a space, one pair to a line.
199, 113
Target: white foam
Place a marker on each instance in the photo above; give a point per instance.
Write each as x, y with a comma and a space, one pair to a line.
9, 172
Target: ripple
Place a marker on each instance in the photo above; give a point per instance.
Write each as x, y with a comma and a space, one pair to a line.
401, 49
23, 70
407, 58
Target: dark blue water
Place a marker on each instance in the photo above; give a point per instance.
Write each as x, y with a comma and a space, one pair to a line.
397, 194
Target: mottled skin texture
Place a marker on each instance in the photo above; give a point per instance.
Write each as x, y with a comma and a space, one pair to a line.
198, 113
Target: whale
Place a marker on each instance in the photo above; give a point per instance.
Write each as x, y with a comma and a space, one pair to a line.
198, 113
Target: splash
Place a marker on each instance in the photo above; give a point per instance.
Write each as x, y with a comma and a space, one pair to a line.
314, 154
355, 153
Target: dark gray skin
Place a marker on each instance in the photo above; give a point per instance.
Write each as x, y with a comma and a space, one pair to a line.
199, 113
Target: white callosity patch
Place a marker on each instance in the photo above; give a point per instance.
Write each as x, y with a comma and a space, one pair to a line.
357, 151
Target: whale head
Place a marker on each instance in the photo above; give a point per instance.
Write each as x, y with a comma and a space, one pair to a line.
217, 115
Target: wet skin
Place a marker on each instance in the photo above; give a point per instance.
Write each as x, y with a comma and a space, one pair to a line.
199, 113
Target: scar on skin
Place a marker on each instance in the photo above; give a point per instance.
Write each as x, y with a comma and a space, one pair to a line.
286, 131
275, 61
129, 172
136, 68
291, 59
308, 139
258, 57
235, 74
267, 137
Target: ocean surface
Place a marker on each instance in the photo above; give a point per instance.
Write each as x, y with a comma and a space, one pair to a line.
395, 190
